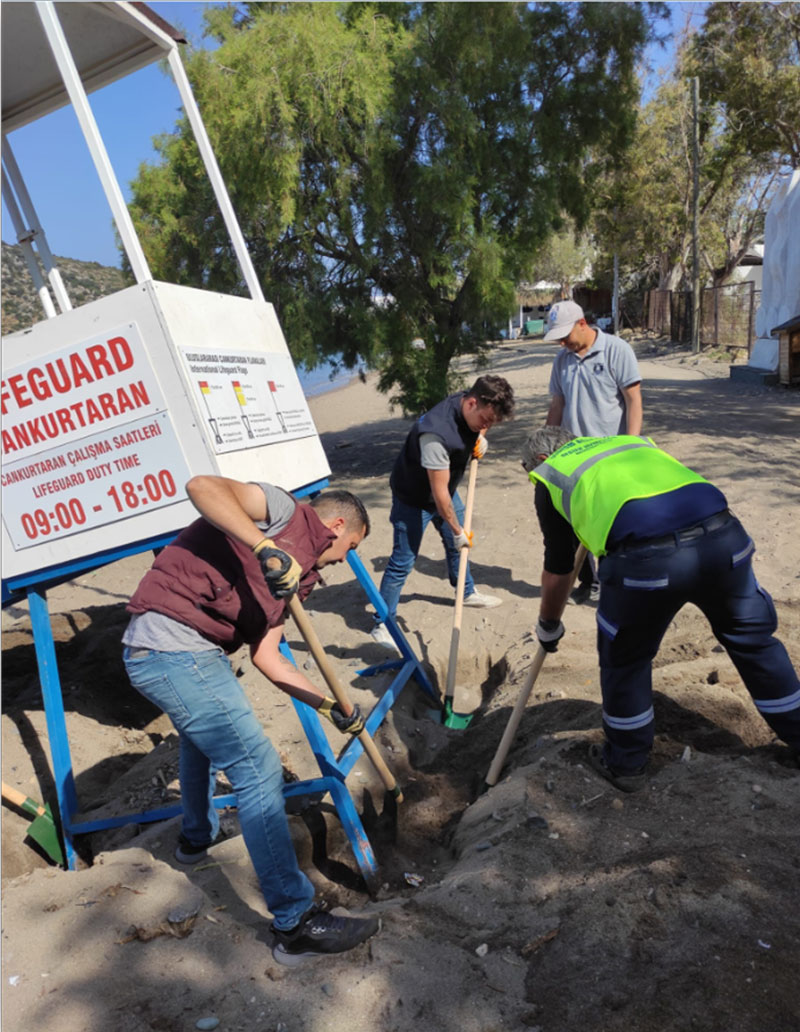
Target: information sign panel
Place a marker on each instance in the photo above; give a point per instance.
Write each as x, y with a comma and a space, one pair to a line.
248, 399
108, 409
104, 478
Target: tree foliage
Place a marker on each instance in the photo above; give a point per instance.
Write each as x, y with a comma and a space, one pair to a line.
566, 258
644, 209
394, 167
747, 57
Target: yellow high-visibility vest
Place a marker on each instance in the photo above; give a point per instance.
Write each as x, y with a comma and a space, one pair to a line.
591, 478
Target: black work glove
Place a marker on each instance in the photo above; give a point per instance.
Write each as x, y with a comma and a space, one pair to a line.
549, 633
352, 725
282, 572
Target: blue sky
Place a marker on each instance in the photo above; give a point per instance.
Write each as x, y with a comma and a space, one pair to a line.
75, 216
129, 113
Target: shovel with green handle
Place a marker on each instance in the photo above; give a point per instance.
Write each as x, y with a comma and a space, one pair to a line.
43, 828
450, 717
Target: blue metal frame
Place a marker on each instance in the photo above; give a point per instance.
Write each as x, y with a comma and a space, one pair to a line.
15, 587
408, 666
334, 770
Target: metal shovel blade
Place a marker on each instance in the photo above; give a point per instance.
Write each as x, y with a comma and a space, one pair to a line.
450, 718
42, 828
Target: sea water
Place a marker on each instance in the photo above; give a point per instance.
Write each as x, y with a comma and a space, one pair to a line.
324, 377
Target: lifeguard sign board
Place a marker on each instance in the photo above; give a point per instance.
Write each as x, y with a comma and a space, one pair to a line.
109, 409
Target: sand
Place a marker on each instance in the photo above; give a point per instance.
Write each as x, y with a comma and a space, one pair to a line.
550, 902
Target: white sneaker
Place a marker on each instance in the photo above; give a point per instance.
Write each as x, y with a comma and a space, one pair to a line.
381, 636
478, 601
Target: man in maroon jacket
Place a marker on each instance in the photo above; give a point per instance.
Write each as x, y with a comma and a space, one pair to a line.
213, 589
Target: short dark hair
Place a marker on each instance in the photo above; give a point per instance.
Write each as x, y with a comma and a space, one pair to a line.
336, 502
494, 391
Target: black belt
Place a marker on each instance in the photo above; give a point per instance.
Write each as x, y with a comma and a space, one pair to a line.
678, 537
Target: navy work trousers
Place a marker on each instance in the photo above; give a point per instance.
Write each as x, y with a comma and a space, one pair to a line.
643, 587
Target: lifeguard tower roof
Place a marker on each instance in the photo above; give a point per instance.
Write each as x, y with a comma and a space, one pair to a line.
107, 42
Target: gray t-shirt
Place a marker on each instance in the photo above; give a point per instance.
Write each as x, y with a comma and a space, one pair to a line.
591, 386
161, 633
432, 452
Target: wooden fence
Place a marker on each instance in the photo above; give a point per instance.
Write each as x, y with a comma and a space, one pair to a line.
727, 315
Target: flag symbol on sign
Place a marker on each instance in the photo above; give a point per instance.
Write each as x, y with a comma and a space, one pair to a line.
237, 388
205, 393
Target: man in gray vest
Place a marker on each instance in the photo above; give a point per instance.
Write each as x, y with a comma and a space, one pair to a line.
425, 482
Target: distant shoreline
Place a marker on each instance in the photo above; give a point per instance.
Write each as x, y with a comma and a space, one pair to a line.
316, 382
333, 387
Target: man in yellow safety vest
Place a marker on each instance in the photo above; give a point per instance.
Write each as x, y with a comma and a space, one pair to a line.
664, 537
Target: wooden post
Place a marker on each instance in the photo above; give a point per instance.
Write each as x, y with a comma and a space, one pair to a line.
519, 707
695, 216
615, 298
750, 313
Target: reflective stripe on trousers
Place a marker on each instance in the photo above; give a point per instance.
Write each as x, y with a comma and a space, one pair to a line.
642, 590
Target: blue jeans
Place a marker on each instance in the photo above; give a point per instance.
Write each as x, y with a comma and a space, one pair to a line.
409, 524
643, 587
218, 730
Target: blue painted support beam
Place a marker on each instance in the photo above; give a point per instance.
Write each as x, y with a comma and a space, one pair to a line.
80, 826
310, 489
334, 773
408, 654
54, 715
77, 826
14, 588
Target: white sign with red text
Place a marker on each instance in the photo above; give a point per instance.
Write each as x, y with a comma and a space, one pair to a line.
99, 480
248, 399
86, 440
95, 385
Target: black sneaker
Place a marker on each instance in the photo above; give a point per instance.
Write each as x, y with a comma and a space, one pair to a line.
581, 595
319, 932
624, 782
187, 853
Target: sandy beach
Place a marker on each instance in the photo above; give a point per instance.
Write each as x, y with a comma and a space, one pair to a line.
551, 902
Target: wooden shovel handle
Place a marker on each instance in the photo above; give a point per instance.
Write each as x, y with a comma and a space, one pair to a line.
463, 559
318, 652
13, 795
527, 688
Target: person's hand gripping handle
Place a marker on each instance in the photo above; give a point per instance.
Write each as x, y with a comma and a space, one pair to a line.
347, 709
282, 572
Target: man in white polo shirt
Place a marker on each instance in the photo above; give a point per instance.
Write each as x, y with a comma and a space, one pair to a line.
595, 389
